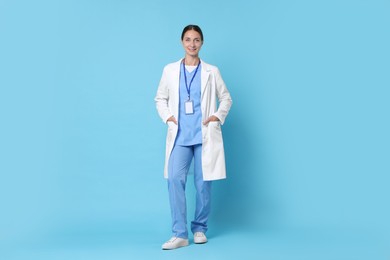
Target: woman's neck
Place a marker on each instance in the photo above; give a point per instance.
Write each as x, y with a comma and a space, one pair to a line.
191, 60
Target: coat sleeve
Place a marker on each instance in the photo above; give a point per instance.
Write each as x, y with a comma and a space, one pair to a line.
225, 100
162, 98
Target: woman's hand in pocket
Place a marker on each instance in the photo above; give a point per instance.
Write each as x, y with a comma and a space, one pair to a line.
211, 119
172, 119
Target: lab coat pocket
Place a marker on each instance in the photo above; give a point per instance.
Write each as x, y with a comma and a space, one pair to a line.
171, 131
215, 132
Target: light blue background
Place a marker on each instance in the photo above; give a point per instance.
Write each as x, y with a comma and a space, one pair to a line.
307, 140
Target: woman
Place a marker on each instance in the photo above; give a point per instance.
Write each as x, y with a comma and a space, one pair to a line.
186, 100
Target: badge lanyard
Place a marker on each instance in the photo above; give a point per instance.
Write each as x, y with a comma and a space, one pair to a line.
189, 105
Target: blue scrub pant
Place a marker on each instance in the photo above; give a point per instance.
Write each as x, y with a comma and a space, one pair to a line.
179, 163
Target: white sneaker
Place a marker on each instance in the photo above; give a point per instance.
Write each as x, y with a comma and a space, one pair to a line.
200, 238
175, 242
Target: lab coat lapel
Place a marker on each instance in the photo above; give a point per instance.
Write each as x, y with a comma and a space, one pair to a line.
176, 79
204, 77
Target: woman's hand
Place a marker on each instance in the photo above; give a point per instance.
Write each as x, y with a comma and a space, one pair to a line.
211, 119
172, 119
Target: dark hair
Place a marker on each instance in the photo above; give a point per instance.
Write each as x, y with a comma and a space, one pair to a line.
192, 27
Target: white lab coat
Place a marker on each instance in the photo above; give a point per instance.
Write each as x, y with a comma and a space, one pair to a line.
212, 87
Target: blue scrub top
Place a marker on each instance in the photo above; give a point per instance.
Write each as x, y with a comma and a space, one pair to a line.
190, 125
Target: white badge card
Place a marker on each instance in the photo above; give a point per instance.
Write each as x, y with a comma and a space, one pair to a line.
189, 106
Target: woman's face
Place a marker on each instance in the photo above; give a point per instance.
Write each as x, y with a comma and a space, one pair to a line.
192, 42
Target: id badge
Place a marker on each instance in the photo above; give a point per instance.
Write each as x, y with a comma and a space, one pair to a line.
189, 107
